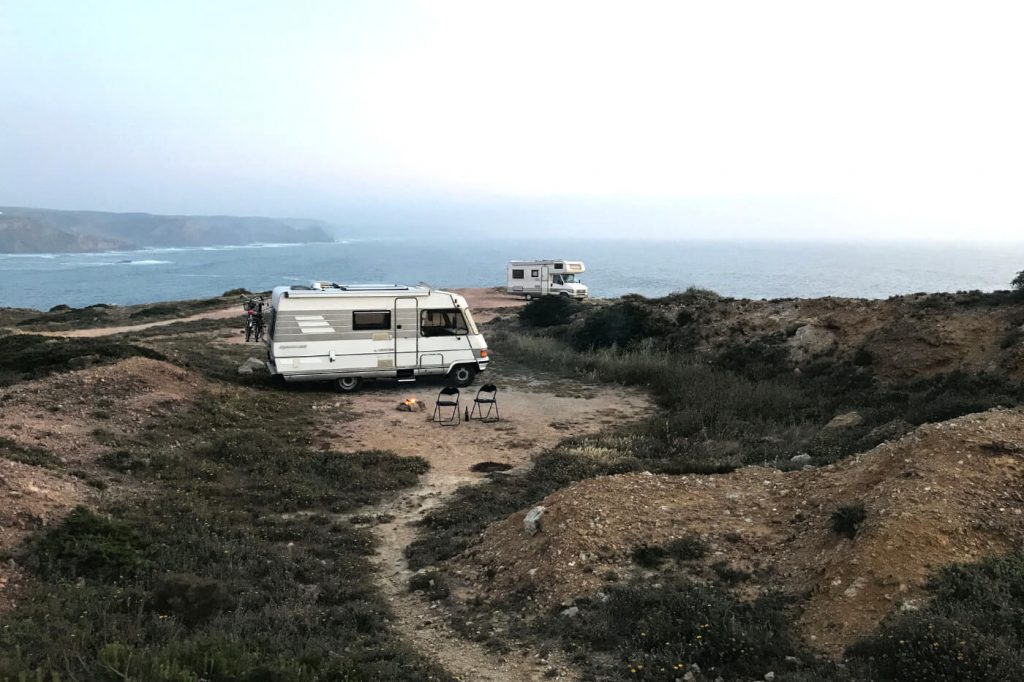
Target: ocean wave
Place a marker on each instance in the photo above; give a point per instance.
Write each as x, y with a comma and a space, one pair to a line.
146, 262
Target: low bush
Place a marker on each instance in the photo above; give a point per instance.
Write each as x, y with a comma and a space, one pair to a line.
846, 520
432, 583
86, 545
30, 356
191, 598
649, 556
548, 311
687, 548
621, 324
26, 455
971, 631
656, 632
229, 569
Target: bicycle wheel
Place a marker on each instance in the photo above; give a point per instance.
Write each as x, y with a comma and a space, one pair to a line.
248, 330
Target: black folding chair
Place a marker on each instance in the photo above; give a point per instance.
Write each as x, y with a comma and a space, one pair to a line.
487, 395
445, 399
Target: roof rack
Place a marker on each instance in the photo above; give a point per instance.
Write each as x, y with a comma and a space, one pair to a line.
322, 285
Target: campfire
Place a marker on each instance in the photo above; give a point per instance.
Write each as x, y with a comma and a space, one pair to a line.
411, 405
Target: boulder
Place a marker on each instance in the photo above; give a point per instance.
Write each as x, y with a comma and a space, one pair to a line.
251, 365
847, 420
531, 522
809, 342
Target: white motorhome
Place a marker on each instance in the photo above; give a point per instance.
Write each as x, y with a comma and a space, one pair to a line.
533, 278
348, 333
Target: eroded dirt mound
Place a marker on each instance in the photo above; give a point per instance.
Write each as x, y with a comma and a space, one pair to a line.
71, 415
901, 338
948, 492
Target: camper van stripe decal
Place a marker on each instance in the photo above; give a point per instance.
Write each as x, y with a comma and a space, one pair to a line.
313, 324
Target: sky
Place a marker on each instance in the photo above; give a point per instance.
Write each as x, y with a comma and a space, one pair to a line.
773, 120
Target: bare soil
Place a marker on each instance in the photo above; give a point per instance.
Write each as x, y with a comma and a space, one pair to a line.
948, 492
533, 417
487, 304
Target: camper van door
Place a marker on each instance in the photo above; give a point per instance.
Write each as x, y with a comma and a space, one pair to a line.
545, 281
407, 332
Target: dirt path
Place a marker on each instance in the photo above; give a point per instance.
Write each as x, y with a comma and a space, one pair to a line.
535, 415
220, 314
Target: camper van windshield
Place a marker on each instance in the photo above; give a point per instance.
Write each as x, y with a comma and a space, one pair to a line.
563, 279
443, 323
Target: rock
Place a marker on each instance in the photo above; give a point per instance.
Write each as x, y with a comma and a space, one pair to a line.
847, 420
251, 365
688, 676
769, 677
531, 522
810, 341
571, 612
83, 361
854, 589
802, 458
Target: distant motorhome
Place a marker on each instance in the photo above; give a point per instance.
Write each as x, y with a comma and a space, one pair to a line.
347, 333
533, 278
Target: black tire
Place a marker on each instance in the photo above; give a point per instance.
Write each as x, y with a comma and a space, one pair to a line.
462, 375
564, 294
259, 332
348, 384
248, 331
529, 297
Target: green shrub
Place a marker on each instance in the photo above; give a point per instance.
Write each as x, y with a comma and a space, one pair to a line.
621, 324
655, 632
30, 356
1018, 281
971, 631
432, 583
847, 519
192, 599
687, 548
26, 455
85, 545
649, 556
548, 311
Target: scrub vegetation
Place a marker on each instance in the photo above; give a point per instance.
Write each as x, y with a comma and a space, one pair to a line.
737, 401
223, 554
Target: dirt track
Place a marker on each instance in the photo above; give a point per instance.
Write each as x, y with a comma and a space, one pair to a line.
485, 304
533, 418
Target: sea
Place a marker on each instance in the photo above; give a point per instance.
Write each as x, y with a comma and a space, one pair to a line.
748, 269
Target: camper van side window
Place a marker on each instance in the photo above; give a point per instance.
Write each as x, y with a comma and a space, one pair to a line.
517, 274
558, 266
534, 273
443, 323
367, 320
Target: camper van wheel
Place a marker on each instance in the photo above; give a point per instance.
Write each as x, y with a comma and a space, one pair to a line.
462, 375
529, 297
348, 384
564, 293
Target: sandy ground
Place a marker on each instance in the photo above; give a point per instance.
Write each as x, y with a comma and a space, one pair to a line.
487, 304
535, 416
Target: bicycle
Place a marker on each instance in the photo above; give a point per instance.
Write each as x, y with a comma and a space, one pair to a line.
253, 308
